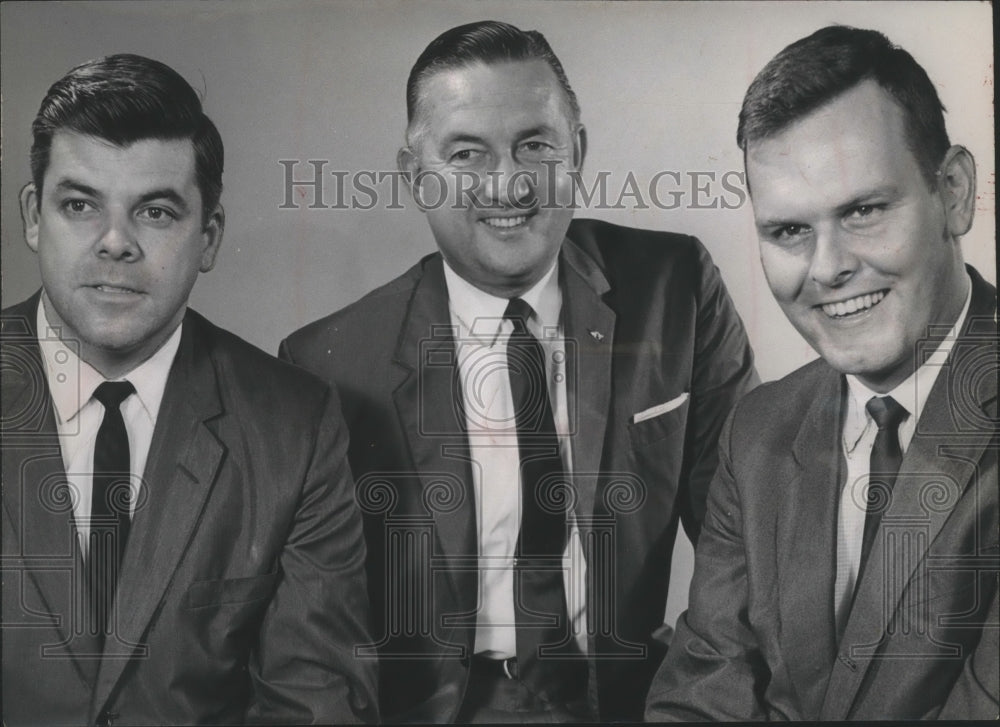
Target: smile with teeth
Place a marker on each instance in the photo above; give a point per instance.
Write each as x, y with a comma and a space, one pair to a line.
505, 222
855, 305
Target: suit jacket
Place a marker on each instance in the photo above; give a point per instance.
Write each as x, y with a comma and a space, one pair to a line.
647, 319
759, 641
242, 591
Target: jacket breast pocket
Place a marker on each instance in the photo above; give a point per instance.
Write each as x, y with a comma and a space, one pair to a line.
659, 427
231, 590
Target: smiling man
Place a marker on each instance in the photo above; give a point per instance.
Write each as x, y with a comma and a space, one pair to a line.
180, 540
847, 567
532, 410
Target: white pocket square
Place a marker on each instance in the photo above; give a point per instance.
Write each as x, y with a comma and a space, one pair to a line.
655, 411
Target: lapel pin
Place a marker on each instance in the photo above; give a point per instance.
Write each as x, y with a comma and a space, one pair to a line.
598, 336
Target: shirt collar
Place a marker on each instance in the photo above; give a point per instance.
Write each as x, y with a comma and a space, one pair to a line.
912, 393
72, 381
481, 314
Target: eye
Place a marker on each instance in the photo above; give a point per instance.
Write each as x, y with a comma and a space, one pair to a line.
790, 233
78, 207
465, 156
865, 211
534, 148
158, 216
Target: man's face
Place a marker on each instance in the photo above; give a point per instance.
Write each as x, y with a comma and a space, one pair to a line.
859, 250
493, 150
120, 238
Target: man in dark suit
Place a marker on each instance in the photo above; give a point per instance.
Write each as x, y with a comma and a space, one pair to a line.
180, 539
520, 529
847, 566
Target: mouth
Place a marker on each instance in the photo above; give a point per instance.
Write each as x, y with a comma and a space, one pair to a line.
854, 306
505, 223
115, 289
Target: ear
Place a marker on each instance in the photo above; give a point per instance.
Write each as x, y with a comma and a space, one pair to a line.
30, 214
957, 186
409, 165
579, 146
211, 236
407, 162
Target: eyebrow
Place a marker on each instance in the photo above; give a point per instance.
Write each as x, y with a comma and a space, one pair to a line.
461, 138
889, 191
540, 130
166, 193
866, 197
69, 185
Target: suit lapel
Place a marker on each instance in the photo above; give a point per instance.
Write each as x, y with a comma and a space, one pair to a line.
937, 470
589, 326
184, 457
37, 496
428, 403
808, 561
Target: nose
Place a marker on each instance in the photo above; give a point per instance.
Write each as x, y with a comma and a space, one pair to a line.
511, 184
833, 263
118, 239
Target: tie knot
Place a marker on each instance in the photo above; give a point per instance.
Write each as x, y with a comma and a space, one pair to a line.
112, 393
886, 411
518, 312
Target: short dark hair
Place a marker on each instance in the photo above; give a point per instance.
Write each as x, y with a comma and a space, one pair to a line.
489, 42
126, 98
812, 71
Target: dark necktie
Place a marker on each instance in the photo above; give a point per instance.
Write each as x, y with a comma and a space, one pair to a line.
884, 466
109, 514
547, 654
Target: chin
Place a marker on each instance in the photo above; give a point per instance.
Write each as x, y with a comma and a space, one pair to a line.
846, 362
114, 342
870, 372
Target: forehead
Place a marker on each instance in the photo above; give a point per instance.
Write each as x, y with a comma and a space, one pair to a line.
515, 92
144, 165
854, 144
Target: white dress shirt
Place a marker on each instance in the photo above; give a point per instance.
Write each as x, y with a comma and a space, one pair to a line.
481, 348
858, 440
78, 414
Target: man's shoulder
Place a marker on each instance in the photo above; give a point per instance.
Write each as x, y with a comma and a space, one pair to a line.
379, 311
776, 408
610, 242
19, 319
246, 371
640, 257
799, 385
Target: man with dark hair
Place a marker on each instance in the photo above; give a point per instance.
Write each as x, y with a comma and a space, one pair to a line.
180, 539
532, 410
847, 566
129, 98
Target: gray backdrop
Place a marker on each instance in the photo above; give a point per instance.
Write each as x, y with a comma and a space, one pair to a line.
660, 86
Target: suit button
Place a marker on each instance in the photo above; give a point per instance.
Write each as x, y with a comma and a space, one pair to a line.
107, 718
